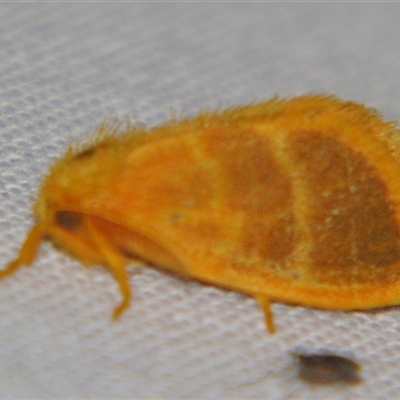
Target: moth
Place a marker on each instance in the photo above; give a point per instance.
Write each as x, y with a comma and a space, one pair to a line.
294, 200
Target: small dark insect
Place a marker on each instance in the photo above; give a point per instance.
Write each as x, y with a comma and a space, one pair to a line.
328, 368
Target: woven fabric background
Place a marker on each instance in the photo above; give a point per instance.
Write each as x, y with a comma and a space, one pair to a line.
63, 67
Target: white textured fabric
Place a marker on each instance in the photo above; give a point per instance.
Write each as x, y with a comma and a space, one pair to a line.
63, 67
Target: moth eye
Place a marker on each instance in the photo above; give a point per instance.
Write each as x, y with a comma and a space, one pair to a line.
68, 220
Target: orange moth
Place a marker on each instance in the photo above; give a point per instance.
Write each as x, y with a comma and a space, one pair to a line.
294, 200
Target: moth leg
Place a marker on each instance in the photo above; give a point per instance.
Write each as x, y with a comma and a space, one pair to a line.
265, 304
27, 253
115, 262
